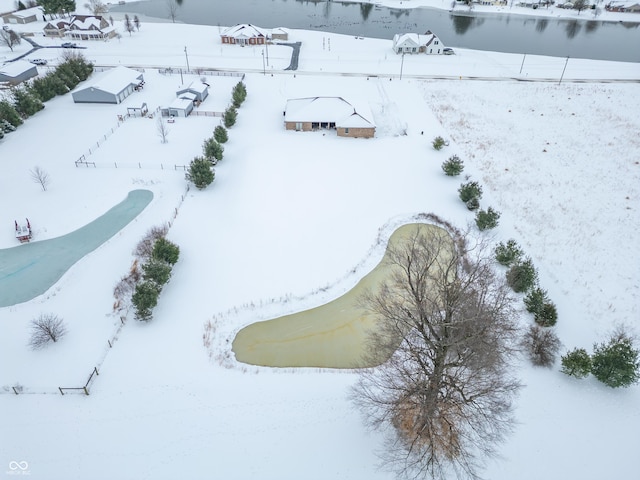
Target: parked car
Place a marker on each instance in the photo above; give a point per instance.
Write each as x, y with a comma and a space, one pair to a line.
38, 61
68, 45
448, 51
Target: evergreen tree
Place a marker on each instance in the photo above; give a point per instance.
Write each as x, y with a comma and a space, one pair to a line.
165, 251
615, 363
576, 363
212, 150
25, 103
220, 134
509, 253
470, 190
144, 299
6, 127
454, 166
239, 94
522, 276
487, 219
200, 173
157, 271
9, 114
229, 117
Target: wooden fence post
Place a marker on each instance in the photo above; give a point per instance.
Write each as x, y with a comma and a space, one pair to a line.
86, 392
14, 390
109, 342
61, 392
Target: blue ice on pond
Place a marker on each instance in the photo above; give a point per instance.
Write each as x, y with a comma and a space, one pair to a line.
29, 270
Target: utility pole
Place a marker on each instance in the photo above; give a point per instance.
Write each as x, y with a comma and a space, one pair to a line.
264, 72
266, 45
563, 70
525, 56
187, 57
401, 65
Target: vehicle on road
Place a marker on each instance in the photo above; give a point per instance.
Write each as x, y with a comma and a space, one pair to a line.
38, 61
448, 51
69, 45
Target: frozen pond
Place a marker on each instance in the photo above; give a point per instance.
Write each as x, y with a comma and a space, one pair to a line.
29, 270
333, 335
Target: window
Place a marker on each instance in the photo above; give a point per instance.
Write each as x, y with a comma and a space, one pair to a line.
346, 131
436, 42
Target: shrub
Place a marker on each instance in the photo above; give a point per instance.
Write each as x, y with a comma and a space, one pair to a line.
542, 345
615, 363
576, 363
548, 316
157, 271
165, 251
508, 254
535, 300
438, 143
200, 173
229, 117
470, 190
144, 249
522, 276
220, 134
144, 298
486, 220
9, 114
454, 166
46, 328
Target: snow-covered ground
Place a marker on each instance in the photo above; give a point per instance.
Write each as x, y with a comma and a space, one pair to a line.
290, 214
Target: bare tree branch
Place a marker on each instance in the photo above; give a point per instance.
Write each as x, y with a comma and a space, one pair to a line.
46, 328
448, 325
38, 175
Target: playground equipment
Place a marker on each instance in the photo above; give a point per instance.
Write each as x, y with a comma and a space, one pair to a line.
23, 231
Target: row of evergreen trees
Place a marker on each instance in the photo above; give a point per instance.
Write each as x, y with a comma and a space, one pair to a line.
28, 99
201, 171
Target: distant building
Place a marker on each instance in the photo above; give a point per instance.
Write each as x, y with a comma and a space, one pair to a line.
630, 6
81, 27
23, 16
17, 72
314, 113
244, 34
428, 43
112, 86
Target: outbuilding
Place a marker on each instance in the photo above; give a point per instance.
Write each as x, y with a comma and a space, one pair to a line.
196, 90
180, 107
27, 15
112, 86
17, 72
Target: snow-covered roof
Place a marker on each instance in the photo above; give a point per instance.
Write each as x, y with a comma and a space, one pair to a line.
26, 13
413, 39
181, 104
244, 30
188, 95
16, 68
87, 22
114, 80
195, 86
324, 109
59, 24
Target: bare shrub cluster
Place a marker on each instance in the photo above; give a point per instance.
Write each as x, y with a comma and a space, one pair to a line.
46, 328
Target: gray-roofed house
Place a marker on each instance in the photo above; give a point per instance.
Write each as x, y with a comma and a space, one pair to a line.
112, 86
198, 91
27, 15
313, 113
17, 72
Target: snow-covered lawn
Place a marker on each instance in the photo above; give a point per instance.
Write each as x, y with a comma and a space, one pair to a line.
289, 214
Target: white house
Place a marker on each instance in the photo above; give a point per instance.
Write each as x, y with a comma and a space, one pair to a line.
112, 86
313, 113
196, 91
414, 43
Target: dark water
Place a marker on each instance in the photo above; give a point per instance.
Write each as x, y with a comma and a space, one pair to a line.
584, 38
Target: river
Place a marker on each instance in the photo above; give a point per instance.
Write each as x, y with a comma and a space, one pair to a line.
584, 38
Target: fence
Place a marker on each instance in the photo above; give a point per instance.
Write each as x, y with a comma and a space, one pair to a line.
86, 388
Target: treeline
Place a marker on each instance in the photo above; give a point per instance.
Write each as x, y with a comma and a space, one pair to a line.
26, 100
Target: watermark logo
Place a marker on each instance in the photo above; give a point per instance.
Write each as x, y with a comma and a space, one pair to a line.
18, 468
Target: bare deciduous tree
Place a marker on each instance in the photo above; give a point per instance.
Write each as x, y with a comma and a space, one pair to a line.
128, 25
40, 176
542, 345
172, 10
448, 324
162, 130
145, 246
96, 7
9, 38
48, 327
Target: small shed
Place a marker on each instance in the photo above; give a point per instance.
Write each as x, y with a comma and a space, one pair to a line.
180, 107
280, 33
112, 86
27, 15
196, 90
17, 72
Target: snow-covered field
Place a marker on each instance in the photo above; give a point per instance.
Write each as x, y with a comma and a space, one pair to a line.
289, 214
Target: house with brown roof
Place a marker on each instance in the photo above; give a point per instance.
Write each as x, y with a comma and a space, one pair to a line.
90, 27
315, 113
